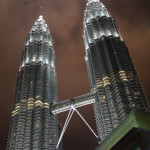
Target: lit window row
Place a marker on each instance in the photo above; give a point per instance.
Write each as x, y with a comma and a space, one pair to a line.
106, 81
30, 104
123, 75
19, 106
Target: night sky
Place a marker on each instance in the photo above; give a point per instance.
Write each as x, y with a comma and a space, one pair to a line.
65, 21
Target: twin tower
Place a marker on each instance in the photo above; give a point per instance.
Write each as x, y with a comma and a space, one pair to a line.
112, 76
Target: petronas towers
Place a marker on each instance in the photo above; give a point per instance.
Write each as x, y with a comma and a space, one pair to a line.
113, 81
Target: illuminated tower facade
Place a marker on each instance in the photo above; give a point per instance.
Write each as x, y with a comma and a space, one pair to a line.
32, 125
113, 78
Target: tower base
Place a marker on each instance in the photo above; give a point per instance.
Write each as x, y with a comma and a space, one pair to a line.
132, 134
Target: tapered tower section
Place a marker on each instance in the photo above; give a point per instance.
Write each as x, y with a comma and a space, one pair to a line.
113, 78
32, 125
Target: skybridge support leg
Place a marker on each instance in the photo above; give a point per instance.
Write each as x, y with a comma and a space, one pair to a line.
86, 122
65, 126
72, 109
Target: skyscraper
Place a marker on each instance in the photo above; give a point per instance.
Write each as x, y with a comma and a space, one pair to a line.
32, 125
115, 87
113, 78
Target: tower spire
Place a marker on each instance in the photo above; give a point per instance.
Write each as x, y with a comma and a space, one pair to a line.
41, 12
41, 9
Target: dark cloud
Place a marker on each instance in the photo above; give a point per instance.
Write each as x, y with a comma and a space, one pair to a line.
65, 20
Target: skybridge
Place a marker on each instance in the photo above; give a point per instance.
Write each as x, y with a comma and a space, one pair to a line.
75, 102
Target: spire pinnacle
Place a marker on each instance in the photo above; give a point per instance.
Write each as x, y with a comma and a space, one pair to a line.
41, 12
41, 9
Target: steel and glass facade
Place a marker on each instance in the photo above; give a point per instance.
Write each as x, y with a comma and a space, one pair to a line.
115, 86
112, 75
32, 125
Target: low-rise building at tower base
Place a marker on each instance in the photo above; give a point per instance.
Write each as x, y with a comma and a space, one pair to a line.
132, 134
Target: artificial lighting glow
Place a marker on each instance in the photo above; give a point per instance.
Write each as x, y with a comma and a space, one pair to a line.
52, 64
46, 61
93, 1
27, 60
22, 64
40, 17
123, 75
44, 29
27, 42
109, 33
102, 33
34, 58
86, 58
106, 81
115, 34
